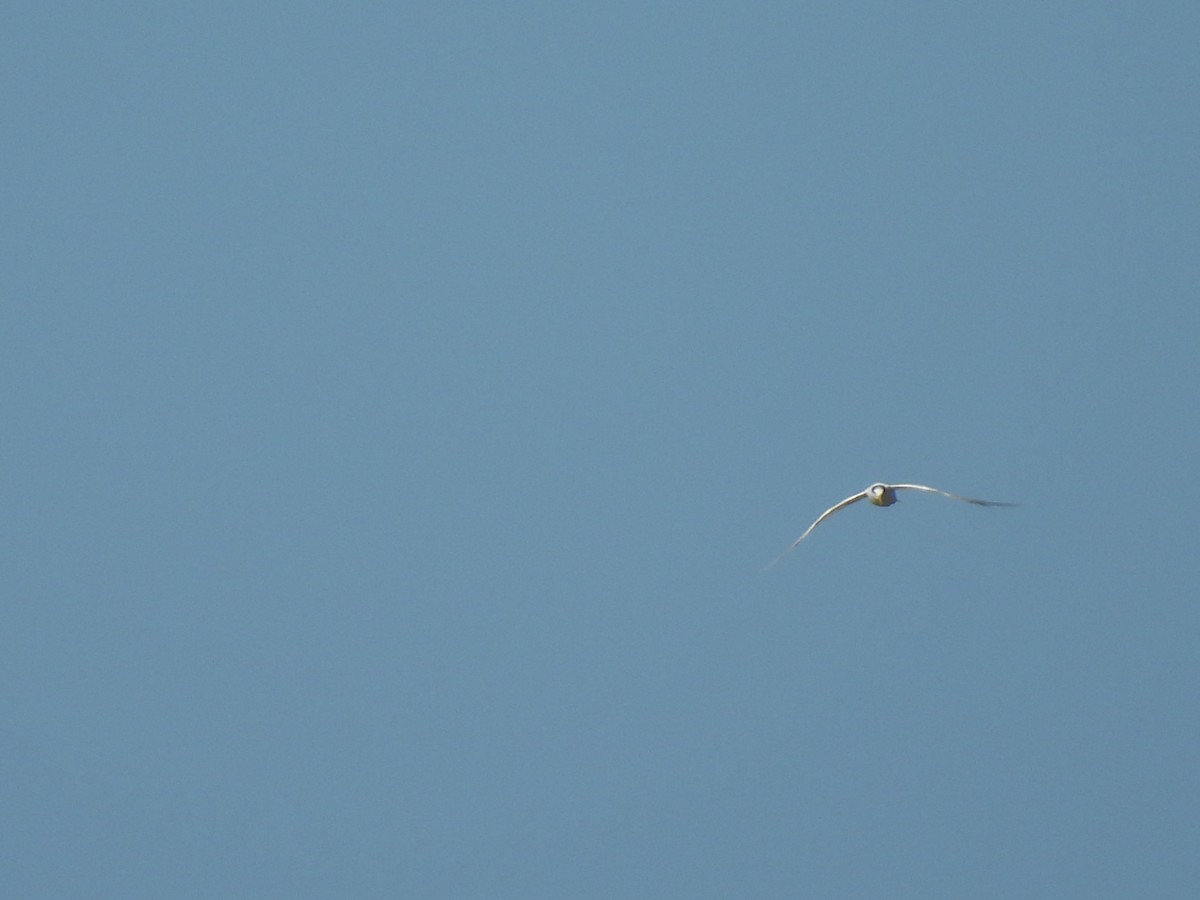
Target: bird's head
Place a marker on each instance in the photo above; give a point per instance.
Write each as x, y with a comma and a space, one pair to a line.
881, 495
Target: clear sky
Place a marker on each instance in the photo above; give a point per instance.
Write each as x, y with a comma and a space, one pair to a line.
400, 399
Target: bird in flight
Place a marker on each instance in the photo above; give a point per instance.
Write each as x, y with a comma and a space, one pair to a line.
881, 495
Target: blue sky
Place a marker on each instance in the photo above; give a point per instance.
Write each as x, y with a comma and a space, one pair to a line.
401, 399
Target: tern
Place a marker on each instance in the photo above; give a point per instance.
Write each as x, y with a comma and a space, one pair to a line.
881, 495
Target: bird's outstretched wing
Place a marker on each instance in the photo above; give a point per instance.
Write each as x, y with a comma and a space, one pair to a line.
821, 518
933, 490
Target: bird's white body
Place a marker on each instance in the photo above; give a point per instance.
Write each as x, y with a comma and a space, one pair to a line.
881, 495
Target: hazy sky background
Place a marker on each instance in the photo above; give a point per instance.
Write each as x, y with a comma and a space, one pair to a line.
400, 399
